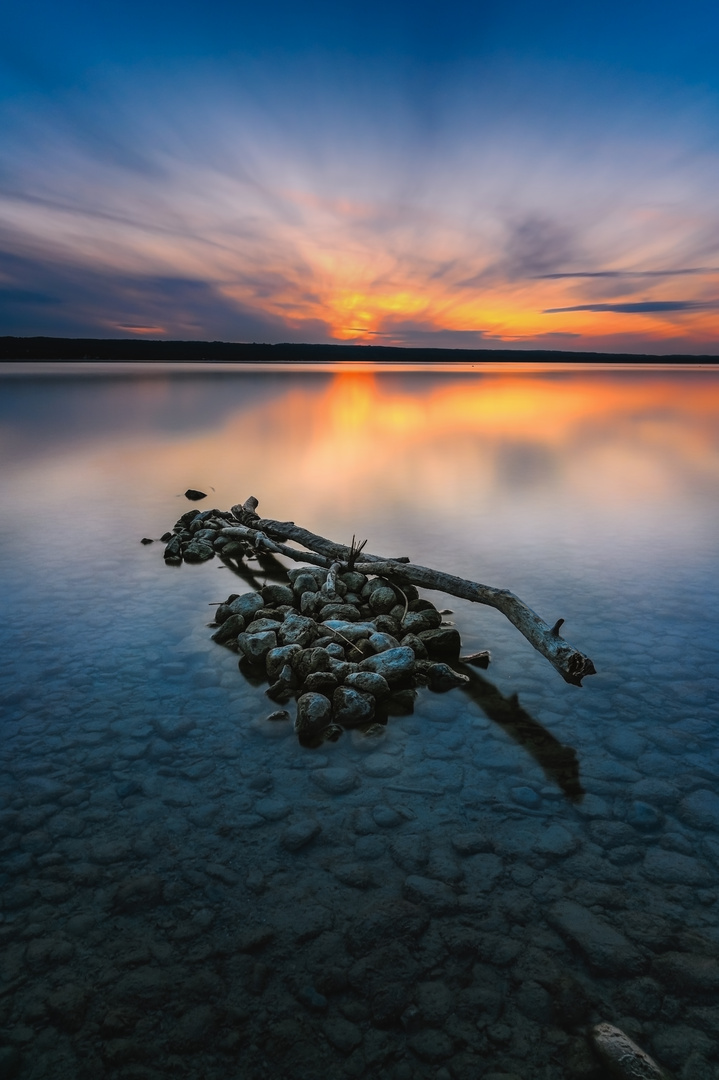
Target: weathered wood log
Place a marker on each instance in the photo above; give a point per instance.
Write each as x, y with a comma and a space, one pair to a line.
265, 534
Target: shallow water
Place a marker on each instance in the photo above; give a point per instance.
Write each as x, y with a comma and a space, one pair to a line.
474, 898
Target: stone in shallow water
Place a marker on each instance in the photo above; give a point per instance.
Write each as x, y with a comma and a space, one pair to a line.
247, 604
313, 713
607, 950
439, 898
688, 972
299, 834
352, 707
700, 809
335, 780
624, 1059
672, 868
255, 647
381, 766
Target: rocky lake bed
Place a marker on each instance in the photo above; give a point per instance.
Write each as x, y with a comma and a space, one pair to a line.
354, 856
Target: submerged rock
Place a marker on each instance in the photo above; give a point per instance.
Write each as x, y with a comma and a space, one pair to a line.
314, 712
622, 1057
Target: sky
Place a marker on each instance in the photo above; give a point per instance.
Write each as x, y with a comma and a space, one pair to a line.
459, 175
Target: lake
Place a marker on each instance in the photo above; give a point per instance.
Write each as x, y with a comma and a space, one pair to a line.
188, 891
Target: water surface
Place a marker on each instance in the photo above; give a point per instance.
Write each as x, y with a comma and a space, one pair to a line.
155, 921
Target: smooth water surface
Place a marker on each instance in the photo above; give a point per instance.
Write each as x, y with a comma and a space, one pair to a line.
504, 867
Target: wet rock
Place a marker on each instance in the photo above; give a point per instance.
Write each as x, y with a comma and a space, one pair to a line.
441, 677
443, 641
606, 950
312, 999
438, 897
555, 840
688, 972
347, 631
138, 893
261, 624
386, 817
431, 1045
356, 875
10, 1062
382, 642
342, 1034
303, 582
351, 707
389, 920
246, 605
194, 495
255, 647
277, 658
410, 853
435, 1002
277, 594
335, 780
300, 834
67, 1006
471, 843
415, 622
389, 1002
342, 612
670, 867
381, 766
298, 630
411, 641
43, 953
314, 712
229, 629
382, 599
622, 1057
368, 682
307, 661
643, 816
173, 551
700, 809
320, 682
198, 551
394, 665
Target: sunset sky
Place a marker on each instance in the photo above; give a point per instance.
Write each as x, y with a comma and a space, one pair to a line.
513, 175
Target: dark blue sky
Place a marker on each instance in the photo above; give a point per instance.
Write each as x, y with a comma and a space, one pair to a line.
395, 172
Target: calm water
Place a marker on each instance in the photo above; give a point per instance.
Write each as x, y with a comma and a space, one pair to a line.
156, 920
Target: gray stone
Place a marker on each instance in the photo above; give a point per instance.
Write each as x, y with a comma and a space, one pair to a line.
701, 809
394, 665
320, 682
381, 766
299, 834
443, 641
386, 817
386, 921
351, 707
672, 868
309, 660
382, 642
335, 780
555, 840
624, 1059
643, 816
259, 626
688, 972
277, 658
303, 581
606, 950
229, 629
247, 604
415, 622
342, 1034
255, 647
198, 551
369, 682
442, 677
347, 631
382, 599
343, 612
314, 712
277, 594
471, 843
432, 1045
411, 641
437, 896
298, 630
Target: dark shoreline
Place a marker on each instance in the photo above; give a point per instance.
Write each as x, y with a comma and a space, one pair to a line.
50, 349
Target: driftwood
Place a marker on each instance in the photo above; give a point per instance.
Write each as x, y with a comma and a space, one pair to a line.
266, 535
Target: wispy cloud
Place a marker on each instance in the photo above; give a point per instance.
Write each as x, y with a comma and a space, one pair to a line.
643, 307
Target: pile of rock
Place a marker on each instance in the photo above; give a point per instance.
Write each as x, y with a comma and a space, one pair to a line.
196, 537
350, 649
